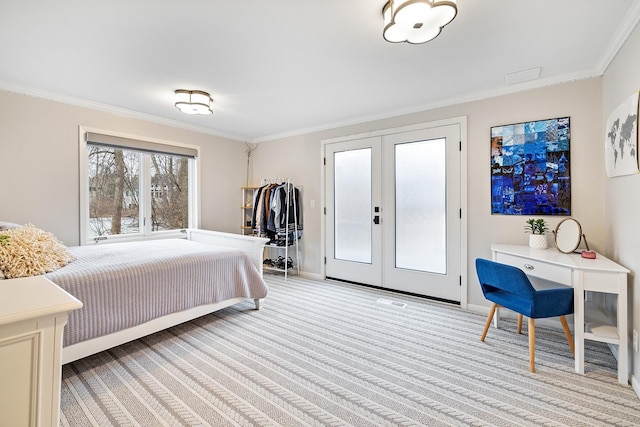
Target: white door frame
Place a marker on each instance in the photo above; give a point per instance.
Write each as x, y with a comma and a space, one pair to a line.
462, 122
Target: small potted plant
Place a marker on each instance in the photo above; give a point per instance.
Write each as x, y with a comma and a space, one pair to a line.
537, 229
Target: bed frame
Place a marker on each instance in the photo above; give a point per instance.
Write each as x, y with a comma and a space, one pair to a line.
252, 246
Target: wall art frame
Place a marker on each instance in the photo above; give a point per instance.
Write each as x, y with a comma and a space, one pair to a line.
531, 168
621, 140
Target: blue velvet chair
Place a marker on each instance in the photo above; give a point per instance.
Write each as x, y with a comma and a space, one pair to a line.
509, 287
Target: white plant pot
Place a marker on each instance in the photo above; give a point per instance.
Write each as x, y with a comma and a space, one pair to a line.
538, 241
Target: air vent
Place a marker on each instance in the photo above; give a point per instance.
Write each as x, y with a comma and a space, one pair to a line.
389, 302
522, 76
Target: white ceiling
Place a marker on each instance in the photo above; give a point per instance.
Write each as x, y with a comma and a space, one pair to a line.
283, 67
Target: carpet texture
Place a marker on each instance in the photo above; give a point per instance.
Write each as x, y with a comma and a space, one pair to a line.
323, 353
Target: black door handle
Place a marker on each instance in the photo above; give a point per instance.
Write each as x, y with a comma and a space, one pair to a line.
376, 219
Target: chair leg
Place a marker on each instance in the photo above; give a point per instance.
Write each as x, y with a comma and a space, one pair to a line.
532, 345
519, 330
567, 333
488, 322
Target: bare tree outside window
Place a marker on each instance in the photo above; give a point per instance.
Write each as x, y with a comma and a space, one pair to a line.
114, 177
114, 191
169, 192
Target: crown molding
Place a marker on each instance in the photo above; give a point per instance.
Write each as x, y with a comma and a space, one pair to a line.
105, 108
625, 29
476, 96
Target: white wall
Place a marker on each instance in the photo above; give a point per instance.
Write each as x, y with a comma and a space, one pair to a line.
39, 181
39, 165
622, 194
299, 157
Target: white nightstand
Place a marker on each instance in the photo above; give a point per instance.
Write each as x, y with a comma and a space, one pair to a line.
33, 313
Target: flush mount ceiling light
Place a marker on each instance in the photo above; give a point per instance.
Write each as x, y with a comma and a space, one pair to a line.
416, 21
193, 101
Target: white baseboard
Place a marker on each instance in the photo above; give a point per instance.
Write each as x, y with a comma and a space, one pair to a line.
314, 276
635, 385
481, 309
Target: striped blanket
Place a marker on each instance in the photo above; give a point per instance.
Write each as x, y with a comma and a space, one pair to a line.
126, 284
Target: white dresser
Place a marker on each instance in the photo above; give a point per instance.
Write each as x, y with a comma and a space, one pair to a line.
33, 313
597, 275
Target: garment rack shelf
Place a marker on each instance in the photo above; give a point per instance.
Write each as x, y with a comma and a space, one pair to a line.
283, 223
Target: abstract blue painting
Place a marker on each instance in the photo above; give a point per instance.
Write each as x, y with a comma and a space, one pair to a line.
531, 168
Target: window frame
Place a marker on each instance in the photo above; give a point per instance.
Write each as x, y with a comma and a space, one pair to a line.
145, 182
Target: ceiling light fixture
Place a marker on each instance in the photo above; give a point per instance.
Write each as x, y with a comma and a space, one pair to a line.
416, 21
193, 101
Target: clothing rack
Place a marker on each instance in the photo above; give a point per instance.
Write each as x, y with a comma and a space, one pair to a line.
265, 181
284, 239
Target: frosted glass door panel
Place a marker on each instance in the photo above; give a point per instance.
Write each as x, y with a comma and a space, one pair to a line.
352, 201
420, 204
352, 183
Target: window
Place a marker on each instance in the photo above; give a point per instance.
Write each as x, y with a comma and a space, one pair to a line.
133, 188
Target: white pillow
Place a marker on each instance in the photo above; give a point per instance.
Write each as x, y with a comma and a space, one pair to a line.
8, 225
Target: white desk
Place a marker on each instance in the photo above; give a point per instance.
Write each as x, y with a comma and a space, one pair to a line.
598, 275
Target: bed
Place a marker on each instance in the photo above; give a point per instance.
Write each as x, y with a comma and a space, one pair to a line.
133, 289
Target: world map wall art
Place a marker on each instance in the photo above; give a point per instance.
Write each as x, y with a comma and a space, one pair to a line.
530, 168
621, 141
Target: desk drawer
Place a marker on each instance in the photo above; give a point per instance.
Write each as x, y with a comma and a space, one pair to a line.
539, 269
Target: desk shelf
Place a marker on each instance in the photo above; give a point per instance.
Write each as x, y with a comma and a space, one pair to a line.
598, 327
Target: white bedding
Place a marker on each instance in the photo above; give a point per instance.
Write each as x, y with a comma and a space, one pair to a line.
126, 284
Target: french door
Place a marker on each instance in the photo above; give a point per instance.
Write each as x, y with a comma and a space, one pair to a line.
353, 233
393, 211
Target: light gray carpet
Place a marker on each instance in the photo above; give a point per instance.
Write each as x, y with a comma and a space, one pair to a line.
327, 353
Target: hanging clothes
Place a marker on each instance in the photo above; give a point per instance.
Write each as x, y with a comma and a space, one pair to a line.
258, 203
277, 213
262, 211
287, 215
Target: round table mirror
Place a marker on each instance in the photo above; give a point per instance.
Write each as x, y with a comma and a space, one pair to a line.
567, 235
